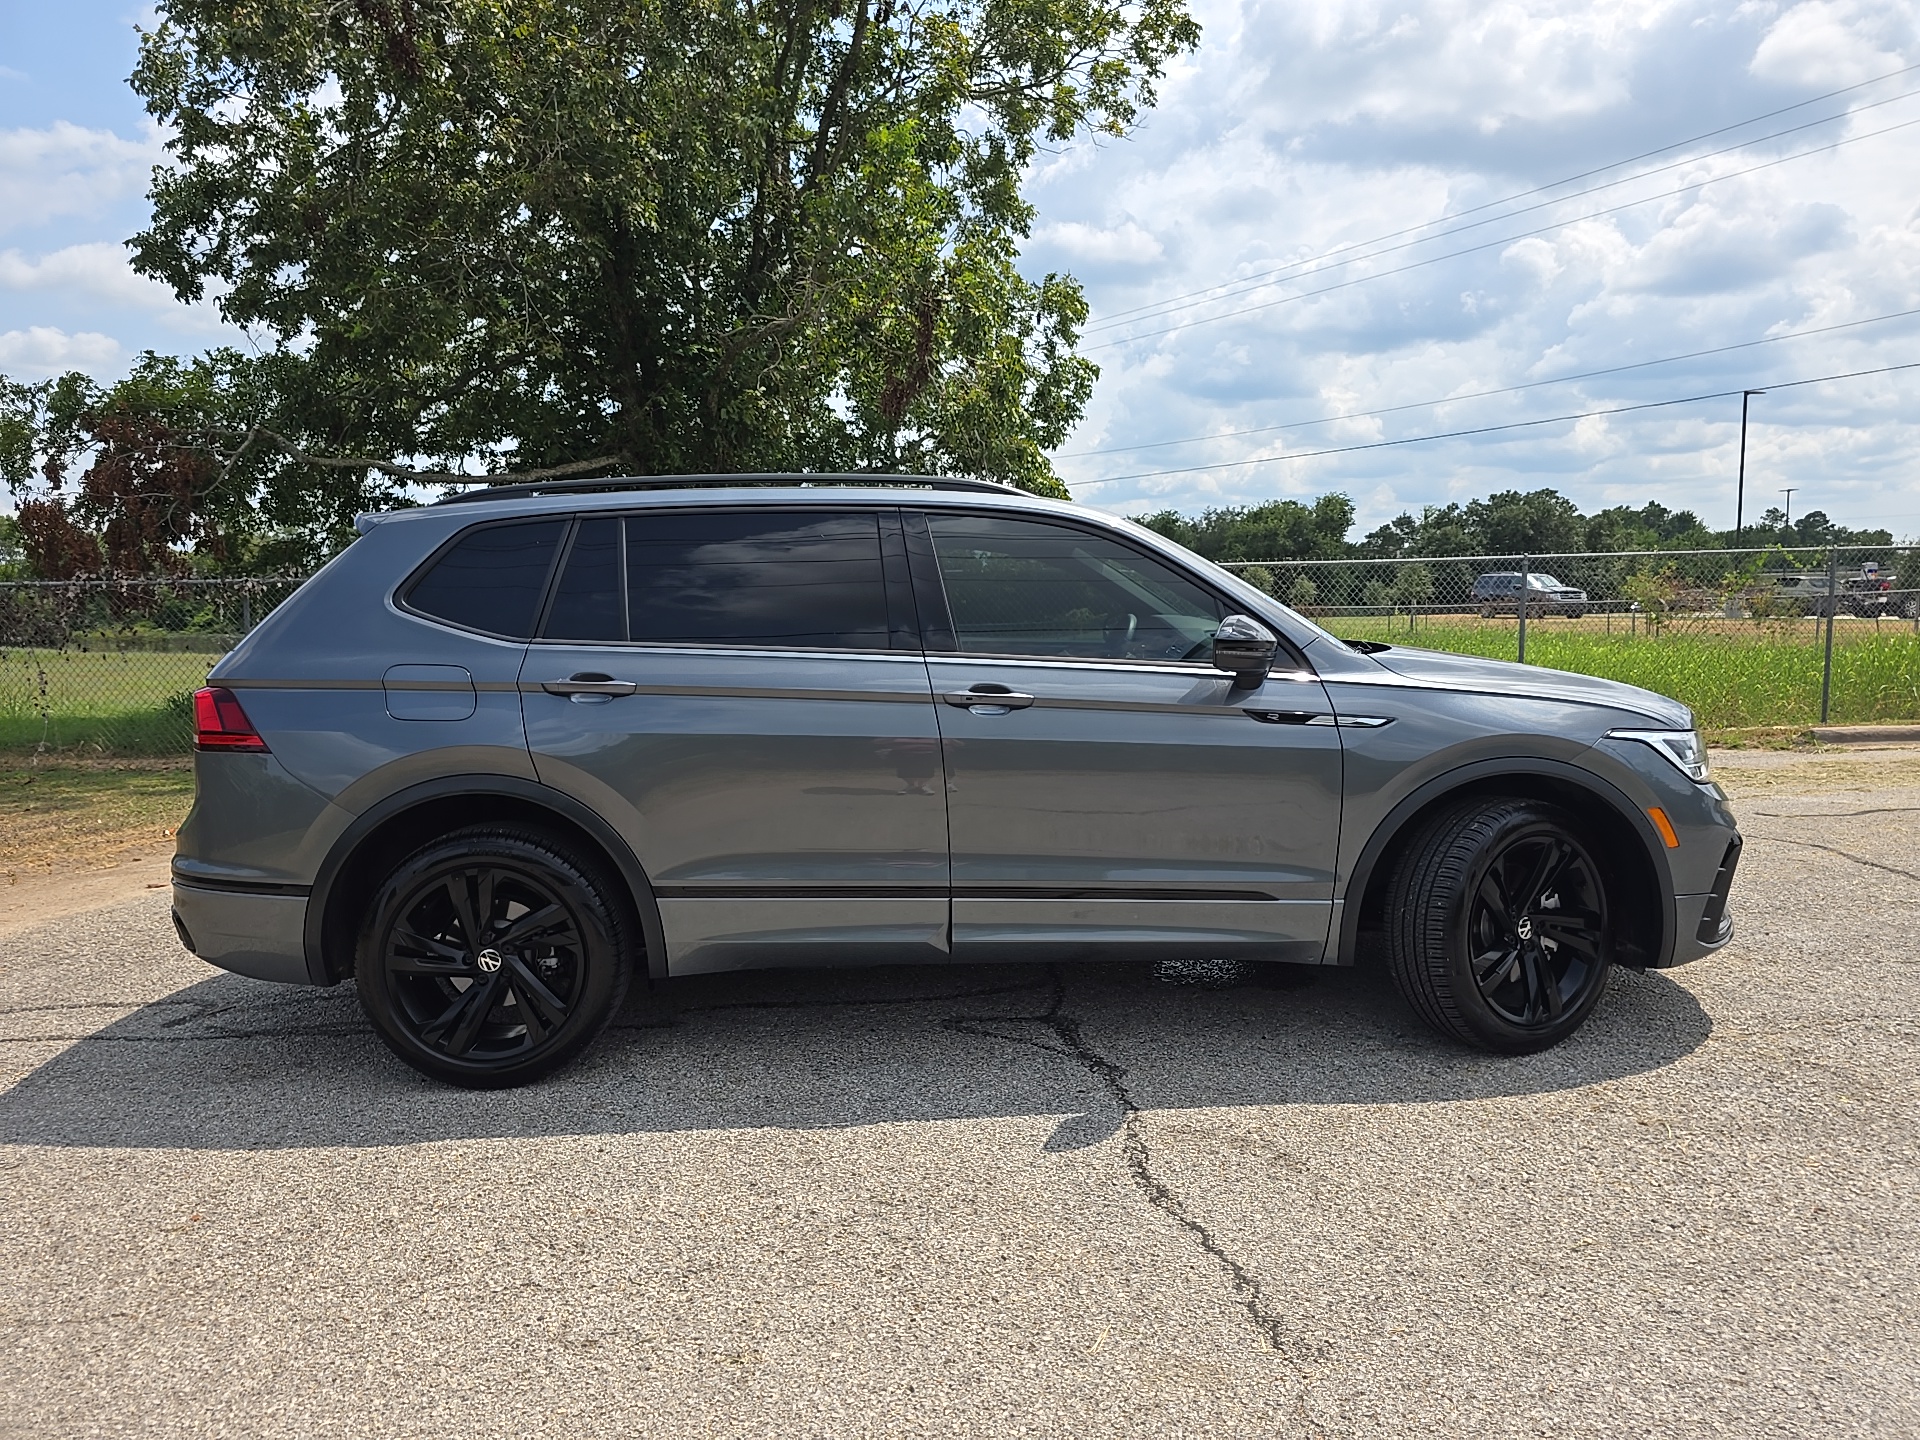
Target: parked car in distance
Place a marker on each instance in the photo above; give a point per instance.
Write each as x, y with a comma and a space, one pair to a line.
1498, 593
1810, 593
513, 756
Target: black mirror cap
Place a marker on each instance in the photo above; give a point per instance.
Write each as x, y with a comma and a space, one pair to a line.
1244, 648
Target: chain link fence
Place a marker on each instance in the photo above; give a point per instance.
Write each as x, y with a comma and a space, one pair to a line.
108, 667
1746, 637
1773, 637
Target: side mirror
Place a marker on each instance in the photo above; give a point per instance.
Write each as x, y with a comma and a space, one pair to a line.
1244, 648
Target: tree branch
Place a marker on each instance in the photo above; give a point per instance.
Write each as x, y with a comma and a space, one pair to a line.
402, 472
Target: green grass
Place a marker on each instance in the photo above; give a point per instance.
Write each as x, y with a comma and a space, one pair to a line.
102, 702
1733, 673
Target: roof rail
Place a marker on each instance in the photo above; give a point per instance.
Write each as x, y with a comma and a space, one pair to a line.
718, 482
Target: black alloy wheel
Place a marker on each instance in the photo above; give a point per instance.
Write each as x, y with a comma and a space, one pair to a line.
1501, 926
494, 956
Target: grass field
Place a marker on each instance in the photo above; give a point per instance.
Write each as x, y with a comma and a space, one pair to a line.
104, 702
1732, 672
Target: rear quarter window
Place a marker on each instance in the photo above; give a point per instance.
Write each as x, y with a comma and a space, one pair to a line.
491, 578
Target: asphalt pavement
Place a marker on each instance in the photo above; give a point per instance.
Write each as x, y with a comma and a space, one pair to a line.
1070, 1202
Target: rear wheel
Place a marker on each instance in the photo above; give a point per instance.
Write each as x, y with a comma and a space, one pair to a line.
1500, 929
494, 956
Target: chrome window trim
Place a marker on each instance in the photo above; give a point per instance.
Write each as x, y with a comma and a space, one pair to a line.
737, 652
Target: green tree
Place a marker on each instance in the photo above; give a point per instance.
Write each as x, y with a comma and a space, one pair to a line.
630, 235
1652, 527
143, 476
1438, 530
1538, 522
1277, 530
1413, 585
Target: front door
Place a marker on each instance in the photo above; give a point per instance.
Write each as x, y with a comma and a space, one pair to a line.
742, 694
1109, 791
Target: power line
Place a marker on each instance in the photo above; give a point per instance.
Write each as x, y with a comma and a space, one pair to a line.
1538, 189
1488, 429
1244, 284
1484, 394
1506, 240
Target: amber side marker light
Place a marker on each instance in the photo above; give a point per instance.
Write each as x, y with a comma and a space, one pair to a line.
220, 724
1660, 823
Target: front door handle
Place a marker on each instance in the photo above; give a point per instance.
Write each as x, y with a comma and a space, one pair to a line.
589, 682
988, 699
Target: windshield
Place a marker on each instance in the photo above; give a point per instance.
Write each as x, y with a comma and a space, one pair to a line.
1545, 582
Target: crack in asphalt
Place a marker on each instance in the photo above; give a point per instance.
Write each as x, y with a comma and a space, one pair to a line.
1074, 1045
1831, 814
1834, 850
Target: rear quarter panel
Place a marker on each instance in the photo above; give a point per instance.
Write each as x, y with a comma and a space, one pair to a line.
310, 677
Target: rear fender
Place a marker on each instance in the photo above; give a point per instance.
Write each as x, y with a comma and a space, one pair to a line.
328, 931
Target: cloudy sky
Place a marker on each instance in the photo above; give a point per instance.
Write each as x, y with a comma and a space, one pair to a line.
1318, 224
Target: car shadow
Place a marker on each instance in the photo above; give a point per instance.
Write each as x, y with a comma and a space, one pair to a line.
231, 1064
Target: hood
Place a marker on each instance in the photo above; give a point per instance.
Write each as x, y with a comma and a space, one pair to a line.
1504, 677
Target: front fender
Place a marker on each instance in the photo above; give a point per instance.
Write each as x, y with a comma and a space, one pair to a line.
1475, 774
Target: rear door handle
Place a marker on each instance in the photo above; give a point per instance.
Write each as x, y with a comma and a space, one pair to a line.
988, 699
589, 682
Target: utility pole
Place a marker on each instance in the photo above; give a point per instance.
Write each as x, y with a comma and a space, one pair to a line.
1788, 492
1740, 491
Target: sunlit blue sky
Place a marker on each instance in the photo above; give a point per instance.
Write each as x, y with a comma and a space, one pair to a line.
1298, 129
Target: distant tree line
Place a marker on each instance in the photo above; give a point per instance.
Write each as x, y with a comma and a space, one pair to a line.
1512, 522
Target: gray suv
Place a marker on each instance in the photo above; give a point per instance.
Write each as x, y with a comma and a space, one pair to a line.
1499, 592
510, 756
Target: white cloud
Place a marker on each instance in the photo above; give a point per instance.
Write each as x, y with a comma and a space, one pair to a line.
1300, 129
41, 351
1124, 244
67, 171
1836, 42
100, 273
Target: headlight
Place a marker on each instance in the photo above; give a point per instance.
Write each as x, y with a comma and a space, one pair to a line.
1684, 748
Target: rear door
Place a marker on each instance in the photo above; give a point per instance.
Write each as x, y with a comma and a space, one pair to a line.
1108, 789
741, 692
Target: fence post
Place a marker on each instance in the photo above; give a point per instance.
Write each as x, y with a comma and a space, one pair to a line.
1833, 604
246, 607
1526, 575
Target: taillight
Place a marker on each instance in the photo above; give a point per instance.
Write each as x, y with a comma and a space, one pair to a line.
220, 724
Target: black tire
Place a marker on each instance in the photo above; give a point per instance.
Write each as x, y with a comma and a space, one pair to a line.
1499, 925
550, 965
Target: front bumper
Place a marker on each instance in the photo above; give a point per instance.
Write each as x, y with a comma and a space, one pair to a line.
1701, 924
250, 932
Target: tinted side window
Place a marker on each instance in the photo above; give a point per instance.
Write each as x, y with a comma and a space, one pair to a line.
588, 604
1027, 587
756, 577
491, 578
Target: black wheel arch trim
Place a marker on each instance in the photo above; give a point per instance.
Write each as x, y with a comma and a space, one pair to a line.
1394, 824
505, 787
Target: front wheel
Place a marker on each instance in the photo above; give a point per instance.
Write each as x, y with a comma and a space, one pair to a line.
1500, 930
494, 955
